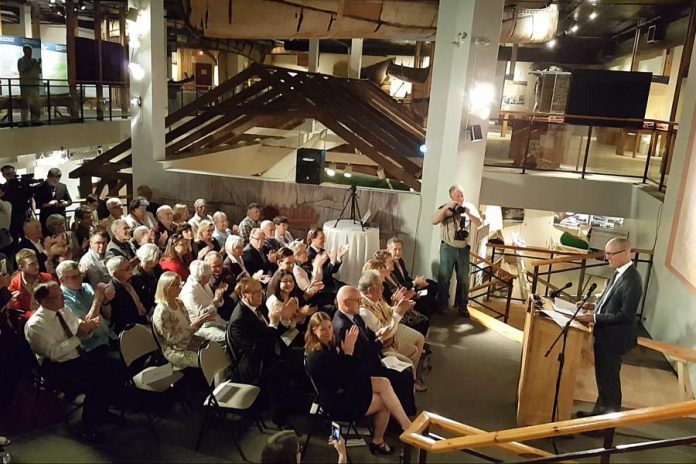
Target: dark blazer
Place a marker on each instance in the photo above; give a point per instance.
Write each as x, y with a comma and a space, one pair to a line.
252, 341
234, 269
42, 257
230, 299
123, 309
367, 347
329, 269
255, 260
615, 325
403, 279
146, 284
271, 244
115, 248
44, 193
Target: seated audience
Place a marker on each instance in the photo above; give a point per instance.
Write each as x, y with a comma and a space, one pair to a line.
93, 262
146, 274
222, 275
378, 315
82, 230
141, 236
115, 208
199, 298
85, 303
369, 346
201, 207
33, 240
138, 215
345, 391
282, 235
175, 329
56, 253
269, 243
255, 259
120, 244
165, 225
180, 214
186, 231
25, 282
251, 221
255, 341
204, 239
316, 240
126, 307
284, 447
145, 192
234, 246
173, 258
427, 304
282, 292
306, 274
222, 230
55, 334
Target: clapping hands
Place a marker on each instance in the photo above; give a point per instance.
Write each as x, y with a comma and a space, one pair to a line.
348, 343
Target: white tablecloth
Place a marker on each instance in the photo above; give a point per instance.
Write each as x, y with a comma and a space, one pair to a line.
362, 245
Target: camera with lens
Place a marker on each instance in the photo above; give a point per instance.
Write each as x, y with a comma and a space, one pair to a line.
461, 234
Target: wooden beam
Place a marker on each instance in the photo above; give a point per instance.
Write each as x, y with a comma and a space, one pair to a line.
105, 157
71, 31
98, 42
35, 20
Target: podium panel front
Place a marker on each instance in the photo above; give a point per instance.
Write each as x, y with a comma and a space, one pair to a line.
538, 373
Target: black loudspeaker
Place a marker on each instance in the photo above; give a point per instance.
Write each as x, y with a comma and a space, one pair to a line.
310, 166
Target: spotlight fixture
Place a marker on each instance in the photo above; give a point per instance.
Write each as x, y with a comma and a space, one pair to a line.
136, 101
551, 43
593, 15
348, 171
331, 170
422, 149
574, 28
380, 173
137, 71
481, 98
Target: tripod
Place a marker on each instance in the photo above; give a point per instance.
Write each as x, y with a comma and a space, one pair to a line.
352, 200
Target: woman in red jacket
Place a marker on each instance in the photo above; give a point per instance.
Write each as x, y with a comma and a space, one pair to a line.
173, 257
24, 282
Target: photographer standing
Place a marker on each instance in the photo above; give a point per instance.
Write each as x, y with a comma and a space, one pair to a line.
455, 219
20, 197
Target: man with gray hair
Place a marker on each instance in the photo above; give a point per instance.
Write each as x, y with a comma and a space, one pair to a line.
270, 242
126, 307
165, 227
201, 207
614, 319
115, 211
222, 275
120, 244
222, 230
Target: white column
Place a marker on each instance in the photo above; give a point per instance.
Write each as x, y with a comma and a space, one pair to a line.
460, 60
355, 58
25, 20
147, 121
313, 65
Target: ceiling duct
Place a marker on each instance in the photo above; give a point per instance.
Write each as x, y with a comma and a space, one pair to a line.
522, 25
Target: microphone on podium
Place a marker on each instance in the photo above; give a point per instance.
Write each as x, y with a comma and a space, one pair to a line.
591, 289
558, 291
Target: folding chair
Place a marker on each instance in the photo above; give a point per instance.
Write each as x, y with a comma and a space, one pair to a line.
224, 396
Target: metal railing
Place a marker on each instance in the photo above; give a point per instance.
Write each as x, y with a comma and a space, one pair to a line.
55, 101
494, 280
582, 145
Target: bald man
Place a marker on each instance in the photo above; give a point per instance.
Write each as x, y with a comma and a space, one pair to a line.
614, 318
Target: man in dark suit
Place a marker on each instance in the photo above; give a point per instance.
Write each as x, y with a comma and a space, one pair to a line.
254, 339
126, 307
52, 196
255, 259
614, 318
368, 346
316, 239
33, 240
427, 303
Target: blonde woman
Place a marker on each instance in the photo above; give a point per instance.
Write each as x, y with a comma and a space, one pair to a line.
172, 324
204, 241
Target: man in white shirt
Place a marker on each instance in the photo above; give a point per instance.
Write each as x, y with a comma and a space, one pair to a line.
201, 207
55, 335
222, 230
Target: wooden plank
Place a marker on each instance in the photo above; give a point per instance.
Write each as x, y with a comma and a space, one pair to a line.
668, 349
105, 157
495, 325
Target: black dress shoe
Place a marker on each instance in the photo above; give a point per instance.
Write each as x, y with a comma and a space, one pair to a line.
464, 311
581, 414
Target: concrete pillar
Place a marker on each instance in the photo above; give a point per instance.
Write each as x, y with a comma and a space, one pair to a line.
147, 121
355, 58
313, 65
461, 58
25, 20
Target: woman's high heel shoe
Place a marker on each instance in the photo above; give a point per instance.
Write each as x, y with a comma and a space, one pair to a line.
382, 448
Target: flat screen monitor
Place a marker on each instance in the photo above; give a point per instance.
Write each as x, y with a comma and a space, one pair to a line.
608, 94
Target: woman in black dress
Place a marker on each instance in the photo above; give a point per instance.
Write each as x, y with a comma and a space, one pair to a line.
344, 393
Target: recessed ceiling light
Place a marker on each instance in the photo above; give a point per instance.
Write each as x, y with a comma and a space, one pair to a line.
551, 43
593, 15
574, 28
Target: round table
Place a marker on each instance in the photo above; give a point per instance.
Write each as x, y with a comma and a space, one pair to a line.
362, 245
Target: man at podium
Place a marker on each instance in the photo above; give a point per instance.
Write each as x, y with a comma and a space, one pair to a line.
614, 319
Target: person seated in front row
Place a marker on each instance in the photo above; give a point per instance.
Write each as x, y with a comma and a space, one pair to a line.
378, 315
412, 319
55, 335
345, 391
176, 331
199, 298
256, 259
146, 274
368, 347
222, 275
315, 242
426, 304
85, 303
125, 308
173, 258
25, 281
93, 263
120, 244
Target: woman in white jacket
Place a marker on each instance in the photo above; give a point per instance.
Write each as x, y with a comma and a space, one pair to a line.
199, 299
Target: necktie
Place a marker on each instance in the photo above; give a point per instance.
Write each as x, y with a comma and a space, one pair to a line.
64, 325
605, 295
259, 314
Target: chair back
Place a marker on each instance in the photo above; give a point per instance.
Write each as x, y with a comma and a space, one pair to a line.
311, 380
214, 363
136, 341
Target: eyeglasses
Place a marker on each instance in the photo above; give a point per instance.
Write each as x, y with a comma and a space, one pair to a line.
610, 254
75, 276
357, 300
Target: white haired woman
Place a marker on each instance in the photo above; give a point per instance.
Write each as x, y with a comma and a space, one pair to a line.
234, 246
146, 274
199, 299
176, 330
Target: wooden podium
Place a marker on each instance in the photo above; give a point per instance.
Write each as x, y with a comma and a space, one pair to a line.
537, 384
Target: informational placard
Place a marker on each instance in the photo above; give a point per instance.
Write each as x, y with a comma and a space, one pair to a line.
54, 61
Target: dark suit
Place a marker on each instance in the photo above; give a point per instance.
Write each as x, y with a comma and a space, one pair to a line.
255, 260
42, 257
329, 269
234, 269
614, 334
45, 193
123, 309
426, 304
116, 248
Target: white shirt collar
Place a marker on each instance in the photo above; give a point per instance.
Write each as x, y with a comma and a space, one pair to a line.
622, 269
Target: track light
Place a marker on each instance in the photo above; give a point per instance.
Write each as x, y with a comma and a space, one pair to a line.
348, 171
331, 170
593, 15
551, 43
574, 28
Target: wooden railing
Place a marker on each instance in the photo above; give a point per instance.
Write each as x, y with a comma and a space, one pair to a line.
495, 279
420, 435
